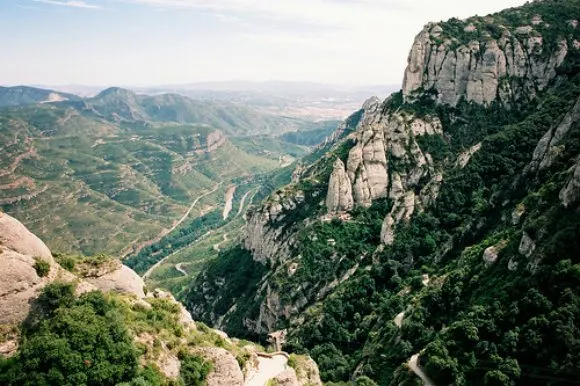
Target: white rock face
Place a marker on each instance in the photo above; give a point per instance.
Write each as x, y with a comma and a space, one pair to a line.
551, 144
505, 69
570, 194
339, 196
263, 238
15, 236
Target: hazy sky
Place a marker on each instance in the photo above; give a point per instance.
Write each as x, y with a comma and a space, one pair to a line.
150, 42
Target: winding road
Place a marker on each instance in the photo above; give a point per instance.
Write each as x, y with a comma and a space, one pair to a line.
242, 203
179, 267
181, 220
268, 368
418, 371
216, 247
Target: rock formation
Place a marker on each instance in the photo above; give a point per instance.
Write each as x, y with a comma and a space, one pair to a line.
339, 196
510, 68
21, 283
570, 194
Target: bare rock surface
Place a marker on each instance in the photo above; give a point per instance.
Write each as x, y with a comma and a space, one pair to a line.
15, 236
123, 280
226, 370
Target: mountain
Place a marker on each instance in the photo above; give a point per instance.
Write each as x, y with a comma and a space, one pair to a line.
22, 96
119, 170
435, 236
124, 106
70, 320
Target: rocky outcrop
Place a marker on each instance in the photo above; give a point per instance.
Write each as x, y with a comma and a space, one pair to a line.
122, 280
264, 238
339, 196
510, 68
527, 245
551, 145
287, 378
15, 236
465, 157
226, 370
491, 254
386, 162
20, 284
570, 194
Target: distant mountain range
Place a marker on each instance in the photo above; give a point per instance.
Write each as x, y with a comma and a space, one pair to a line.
307, 100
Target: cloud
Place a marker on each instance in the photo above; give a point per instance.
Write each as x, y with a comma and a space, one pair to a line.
71, 3
320, 12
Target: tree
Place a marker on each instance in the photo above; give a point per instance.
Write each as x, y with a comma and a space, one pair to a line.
84, 343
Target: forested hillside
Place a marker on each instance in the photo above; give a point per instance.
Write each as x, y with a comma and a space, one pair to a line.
440, 234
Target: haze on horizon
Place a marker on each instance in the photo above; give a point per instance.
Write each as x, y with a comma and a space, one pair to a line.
154, 42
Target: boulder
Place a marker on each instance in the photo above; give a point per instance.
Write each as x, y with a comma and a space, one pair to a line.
226, 370
21, 283
123, 280
527, 245
15, 236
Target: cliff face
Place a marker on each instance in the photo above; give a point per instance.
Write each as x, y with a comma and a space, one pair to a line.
512, 66
462, 188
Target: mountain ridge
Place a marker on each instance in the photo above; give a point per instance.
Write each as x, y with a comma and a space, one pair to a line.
428, 237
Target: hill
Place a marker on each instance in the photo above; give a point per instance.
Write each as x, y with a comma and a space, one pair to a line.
435, 239
120, 170
22, 96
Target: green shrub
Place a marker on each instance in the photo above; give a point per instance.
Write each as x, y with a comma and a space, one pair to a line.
82, 342
194, 369
42, 267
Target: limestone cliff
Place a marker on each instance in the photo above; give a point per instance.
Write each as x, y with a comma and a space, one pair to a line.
482, 63
387, 162
339, 196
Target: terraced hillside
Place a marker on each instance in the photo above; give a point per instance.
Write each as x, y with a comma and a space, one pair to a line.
118, 171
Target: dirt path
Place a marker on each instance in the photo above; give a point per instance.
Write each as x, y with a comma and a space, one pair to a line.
229, 201
268, 368
179, 267
242, 202
144, 244
216, 247
418, 371
30, 153
150, 270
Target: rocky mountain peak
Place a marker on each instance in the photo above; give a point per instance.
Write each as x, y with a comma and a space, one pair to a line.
484, 59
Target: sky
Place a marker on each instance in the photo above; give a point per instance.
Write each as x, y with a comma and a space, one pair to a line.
161, 42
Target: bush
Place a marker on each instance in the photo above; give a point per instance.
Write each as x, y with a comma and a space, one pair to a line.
42, 267
56, 295
194, 369
81, 343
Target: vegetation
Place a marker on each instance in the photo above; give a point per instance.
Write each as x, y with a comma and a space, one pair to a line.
122, 170
42, 267
512, 322
83, 341
311, 137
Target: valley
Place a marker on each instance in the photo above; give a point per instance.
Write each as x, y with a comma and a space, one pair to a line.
431, 236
